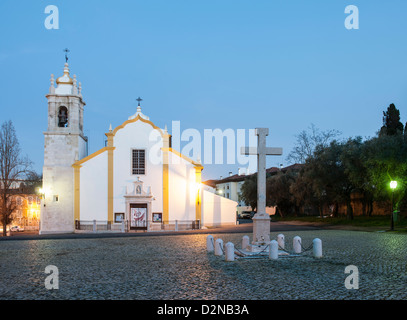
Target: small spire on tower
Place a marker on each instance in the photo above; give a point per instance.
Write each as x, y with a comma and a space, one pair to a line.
75, 87
52, 87
65, 79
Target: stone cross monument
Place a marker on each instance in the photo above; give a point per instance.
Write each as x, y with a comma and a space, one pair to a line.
261, 220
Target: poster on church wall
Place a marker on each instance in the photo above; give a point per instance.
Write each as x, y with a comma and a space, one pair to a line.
157, 217
118, 217
138, 217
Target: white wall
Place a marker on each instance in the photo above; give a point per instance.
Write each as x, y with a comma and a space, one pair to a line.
93, 188
182, 189
82, 148
136, 135
233, 191
57, 216
59, 154
217, 210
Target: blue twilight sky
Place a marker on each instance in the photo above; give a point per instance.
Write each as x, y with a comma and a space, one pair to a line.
281, 64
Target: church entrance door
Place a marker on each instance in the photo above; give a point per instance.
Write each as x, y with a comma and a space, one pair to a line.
138, 216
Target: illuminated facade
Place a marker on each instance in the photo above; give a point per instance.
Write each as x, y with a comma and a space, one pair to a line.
27, 213
27, 205
137, 178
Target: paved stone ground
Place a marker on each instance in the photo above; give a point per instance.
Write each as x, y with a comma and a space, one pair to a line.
178, 267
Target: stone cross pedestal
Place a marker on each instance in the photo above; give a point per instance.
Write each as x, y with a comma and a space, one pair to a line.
261, 220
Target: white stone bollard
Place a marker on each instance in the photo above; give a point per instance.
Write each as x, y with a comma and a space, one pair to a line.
245, 242
229, 251
297, 244
317, 248
94, 225
122, 227
209, 243
218, 247
273, 252
281, 241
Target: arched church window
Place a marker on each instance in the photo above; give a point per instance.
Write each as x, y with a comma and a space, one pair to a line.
63, 117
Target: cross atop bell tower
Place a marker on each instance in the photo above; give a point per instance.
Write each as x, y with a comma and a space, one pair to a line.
66, 50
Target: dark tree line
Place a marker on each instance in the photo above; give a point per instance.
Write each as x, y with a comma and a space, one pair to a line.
334, 171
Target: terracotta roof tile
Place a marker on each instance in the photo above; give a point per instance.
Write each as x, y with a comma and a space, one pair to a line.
237, 178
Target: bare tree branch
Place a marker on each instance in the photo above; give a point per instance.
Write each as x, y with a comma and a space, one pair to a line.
308, 140
13, 167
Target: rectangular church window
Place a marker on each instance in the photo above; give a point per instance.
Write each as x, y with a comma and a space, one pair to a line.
138, 161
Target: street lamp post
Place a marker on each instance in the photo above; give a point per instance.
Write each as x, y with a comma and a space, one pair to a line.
393, 185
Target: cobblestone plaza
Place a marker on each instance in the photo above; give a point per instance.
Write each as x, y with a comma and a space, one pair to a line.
178, 267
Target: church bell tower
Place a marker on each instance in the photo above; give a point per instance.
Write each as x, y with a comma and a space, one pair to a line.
64, 144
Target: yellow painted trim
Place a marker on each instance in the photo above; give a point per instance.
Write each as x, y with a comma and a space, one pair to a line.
77, 193
110, 184
198, 202
179, 154
134, 120
110, 135
79, 162
165, 186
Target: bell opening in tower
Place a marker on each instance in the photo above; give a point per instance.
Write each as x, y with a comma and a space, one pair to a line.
63, 117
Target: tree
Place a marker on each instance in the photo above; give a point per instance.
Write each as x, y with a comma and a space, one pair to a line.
303, 193
248, 191
12, 167
391, 122
33, 181
307, 141
278, 193
334, 171
354, 159
385, 160
326, 176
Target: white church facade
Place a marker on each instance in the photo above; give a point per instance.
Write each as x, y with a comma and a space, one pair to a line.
137, 181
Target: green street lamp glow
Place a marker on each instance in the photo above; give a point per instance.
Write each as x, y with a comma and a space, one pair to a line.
393, 185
